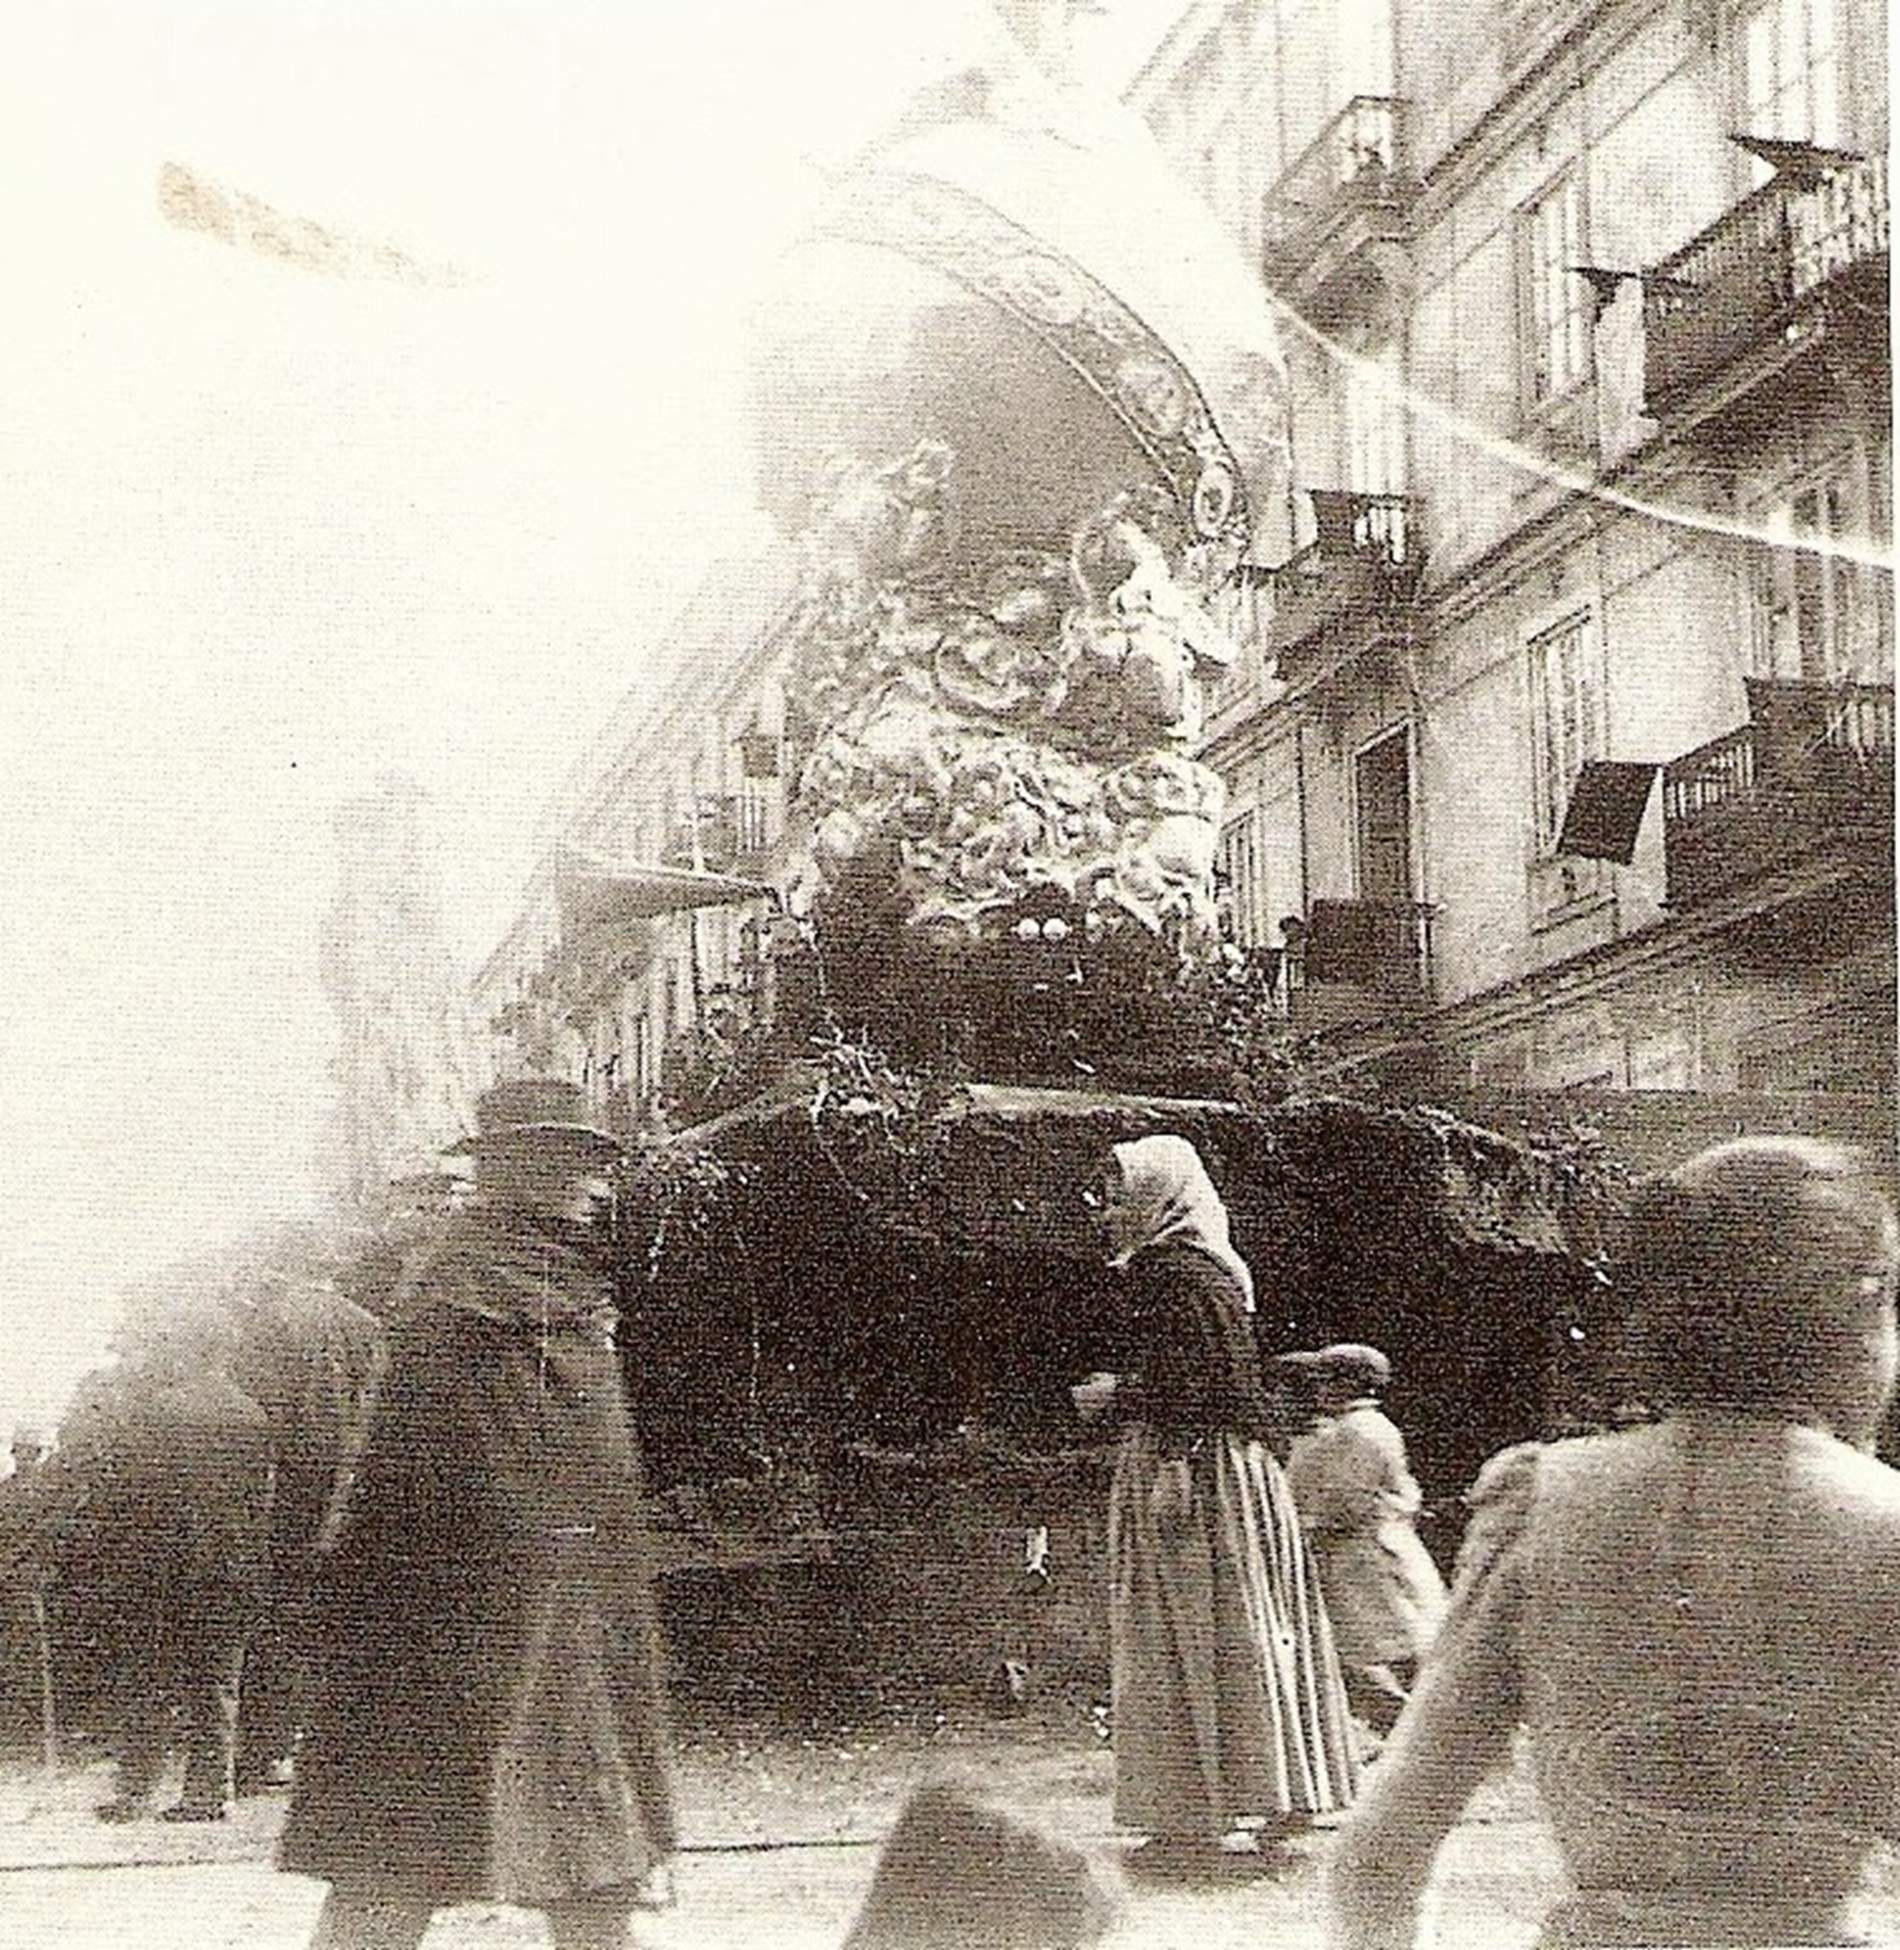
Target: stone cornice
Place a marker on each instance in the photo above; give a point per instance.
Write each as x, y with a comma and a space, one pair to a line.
1650, 950
1673, 942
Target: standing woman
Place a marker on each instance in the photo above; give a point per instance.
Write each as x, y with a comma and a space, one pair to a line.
1229, 1713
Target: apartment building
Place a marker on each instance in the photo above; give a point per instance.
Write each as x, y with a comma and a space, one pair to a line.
1564, 758
643, 939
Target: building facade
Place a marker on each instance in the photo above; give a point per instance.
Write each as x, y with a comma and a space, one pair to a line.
642, 942
1559, 754
401, 1073
1563, 758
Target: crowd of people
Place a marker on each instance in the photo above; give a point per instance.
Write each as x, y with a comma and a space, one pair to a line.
1692, 1618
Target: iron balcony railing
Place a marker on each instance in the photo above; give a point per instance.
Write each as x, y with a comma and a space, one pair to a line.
726, 828
1362, 562
1735, 285
1381, 945
1356, 165
1838, 223
1813, 766
1347, 523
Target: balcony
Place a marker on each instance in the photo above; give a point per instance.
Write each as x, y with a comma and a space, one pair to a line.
1757, 275
1359, 572
1359, 961
1334, 227
1811, 772
726, 831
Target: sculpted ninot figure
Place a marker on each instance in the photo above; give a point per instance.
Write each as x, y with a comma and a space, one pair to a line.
1027, 420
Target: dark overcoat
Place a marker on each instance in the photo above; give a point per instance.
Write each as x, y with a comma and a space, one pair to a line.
488, 1721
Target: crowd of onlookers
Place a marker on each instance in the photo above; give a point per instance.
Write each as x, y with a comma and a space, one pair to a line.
1689, 1618
158, 1550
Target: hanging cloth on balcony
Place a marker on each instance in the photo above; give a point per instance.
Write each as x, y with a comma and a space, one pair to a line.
1606, 810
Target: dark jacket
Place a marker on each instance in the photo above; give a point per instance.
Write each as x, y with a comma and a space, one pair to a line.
176, 1481
490, 1720
312, 1360
1184, 1340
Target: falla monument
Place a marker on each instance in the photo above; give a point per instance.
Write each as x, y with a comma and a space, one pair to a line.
1023, 411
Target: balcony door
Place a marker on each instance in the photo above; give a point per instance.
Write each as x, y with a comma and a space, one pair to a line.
1382, 792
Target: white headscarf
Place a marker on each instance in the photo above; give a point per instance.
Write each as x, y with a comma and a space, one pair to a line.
1168, 1199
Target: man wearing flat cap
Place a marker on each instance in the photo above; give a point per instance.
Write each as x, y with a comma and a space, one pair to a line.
1358, 1504
491, 1724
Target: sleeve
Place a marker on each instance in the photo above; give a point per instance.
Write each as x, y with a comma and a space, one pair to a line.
1457, 1727
1396, 1491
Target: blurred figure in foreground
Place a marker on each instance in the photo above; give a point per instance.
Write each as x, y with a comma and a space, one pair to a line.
1695, 1621
1359, 1504
489, 1723
960, 1873
28, 1516
1230, 1718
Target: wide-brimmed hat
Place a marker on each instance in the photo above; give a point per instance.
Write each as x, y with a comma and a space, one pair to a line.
524, 1108
1354, 1359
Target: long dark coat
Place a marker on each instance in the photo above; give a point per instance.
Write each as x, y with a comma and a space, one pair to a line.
488, 1722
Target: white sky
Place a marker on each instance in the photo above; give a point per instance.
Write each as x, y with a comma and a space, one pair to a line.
264, 534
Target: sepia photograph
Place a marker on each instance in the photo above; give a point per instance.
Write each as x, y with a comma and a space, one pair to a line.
951, 994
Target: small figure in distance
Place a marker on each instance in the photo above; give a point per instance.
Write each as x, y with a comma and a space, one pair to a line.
1359, 1505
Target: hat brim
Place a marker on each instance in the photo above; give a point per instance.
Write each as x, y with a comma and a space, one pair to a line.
512, 1135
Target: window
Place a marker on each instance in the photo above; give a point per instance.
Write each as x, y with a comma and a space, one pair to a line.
642, 1077
1568, 719
1237, 871
1365, 48
1791, 72
1375, 424
1553, 300
1802, 602
1382, 798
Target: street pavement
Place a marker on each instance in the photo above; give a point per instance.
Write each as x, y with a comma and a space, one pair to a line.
781, 1835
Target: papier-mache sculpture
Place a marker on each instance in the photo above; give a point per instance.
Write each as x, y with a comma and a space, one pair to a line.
1023, 408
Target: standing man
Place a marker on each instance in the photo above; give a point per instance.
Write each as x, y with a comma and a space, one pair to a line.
311, 1359
490, 1723
1358, 1505
182, 1496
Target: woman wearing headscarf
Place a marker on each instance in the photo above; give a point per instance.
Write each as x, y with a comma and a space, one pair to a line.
1230, 1717
1694, 1621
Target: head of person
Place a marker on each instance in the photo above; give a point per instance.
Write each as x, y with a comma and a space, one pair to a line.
1155, 1191
1346, 1372
537, 1151
1296, 1384
1763, 1275
961, 1872
32, 1444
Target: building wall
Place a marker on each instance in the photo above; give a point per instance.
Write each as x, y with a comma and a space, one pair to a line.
1632, 101
618, 1010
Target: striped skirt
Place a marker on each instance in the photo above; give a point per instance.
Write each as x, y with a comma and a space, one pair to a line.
1228, 1703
